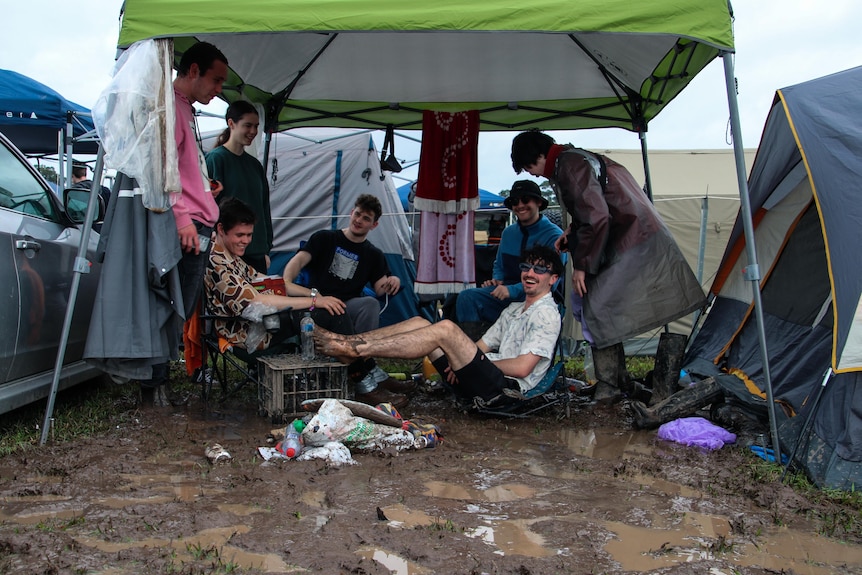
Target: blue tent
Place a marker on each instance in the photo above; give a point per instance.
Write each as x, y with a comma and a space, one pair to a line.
32, 115
487, 200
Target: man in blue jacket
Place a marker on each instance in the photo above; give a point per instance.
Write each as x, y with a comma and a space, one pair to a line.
477, 308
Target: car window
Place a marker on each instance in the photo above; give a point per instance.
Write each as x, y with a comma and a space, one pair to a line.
20, 190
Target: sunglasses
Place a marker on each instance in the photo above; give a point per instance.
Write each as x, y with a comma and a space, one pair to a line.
520, 200
525, 267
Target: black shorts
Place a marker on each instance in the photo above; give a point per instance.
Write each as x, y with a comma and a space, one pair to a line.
481, 378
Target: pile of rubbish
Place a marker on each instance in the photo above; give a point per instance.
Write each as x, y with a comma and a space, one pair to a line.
341, 427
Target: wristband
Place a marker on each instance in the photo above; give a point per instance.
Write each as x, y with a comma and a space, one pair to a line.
314, 293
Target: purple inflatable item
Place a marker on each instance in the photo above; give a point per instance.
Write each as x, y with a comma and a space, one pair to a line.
696, 431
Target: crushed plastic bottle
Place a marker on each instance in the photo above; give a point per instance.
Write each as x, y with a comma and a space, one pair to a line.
291, 445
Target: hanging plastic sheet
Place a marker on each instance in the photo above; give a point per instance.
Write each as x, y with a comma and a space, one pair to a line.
134, 118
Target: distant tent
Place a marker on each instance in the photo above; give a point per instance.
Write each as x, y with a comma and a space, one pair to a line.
487, 200
804, 189
32, 115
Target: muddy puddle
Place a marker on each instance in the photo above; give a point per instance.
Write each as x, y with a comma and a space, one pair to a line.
583, 495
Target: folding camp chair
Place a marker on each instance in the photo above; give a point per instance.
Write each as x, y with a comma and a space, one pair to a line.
550, 391
221, 354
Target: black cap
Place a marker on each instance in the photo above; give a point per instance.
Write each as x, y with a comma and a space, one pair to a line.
526, 188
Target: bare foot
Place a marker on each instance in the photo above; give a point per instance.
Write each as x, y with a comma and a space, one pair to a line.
341, 347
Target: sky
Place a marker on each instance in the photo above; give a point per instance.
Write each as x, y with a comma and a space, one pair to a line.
70, 46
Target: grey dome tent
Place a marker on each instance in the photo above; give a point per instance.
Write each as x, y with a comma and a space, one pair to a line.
805, 196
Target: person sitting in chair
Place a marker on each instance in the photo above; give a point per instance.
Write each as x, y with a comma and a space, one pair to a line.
522, 338
340, 264
229, 291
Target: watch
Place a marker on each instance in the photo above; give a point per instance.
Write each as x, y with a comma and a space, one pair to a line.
314, 292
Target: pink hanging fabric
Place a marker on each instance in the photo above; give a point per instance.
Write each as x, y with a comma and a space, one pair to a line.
447, 194
446, 257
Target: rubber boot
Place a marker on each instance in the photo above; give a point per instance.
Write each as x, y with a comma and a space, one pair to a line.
683, 403
612, 377
668, 362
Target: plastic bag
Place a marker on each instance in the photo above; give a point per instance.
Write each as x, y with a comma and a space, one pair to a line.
335, 422
254, 312
696, 431
134, 117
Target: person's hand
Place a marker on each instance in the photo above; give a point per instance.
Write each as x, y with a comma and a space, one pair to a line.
216, 188
561, 244
579, 282
391, 285
492, 282
331, 304
189, 239
501, 292
450, 376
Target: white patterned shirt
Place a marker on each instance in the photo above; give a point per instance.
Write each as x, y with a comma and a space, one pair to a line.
519, 332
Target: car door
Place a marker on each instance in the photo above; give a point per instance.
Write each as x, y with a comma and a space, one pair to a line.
40, 246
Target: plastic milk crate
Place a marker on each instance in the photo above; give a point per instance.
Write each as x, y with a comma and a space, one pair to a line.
287, 381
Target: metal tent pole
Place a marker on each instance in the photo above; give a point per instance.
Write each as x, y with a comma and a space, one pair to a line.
82, 266
751, 272
804, 431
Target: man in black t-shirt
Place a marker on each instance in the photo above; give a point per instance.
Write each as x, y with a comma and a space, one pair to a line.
341, 263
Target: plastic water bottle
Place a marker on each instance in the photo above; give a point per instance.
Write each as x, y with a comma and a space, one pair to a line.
291, 445
589, 366
306, 330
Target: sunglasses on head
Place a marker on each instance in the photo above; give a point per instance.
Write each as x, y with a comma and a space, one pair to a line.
525, 267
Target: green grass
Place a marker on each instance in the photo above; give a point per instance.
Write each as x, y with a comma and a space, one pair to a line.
837, 513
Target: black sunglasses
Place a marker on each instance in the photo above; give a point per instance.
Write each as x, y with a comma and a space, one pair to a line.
525, 267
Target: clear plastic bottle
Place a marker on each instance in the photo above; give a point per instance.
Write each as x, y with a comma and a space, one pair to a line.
306, 333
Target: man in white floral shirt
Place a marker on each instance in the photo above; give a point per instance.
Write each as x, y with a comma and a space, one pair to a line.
514, 353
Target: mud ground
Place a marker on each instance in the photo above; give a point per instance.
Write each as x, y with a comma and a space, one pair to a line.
583, 494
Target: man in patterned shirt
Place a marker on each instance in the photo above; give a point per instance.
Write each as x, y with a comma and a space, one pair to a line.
514, 353
229, 291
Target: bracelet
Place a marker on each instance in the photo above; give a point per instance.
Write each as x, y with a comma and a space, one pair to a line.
313, 300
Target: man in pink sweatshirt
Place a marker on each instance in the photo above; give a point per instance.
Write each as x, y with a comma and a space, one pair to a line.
200, 76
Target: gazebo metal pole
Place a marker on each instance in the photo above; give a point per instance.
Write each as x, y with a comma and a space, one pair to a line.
751, 272
82, 266
645, 158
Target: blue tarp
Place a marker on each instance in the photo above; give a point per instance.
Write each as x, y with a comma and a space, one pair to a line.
487, 200
32, 115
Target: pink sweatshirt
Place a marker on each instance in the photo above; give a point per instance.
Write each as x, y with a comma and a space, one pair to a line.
196, 202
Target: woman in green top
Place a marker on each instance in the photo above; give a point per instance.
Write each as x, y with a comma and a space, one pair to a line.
243, 177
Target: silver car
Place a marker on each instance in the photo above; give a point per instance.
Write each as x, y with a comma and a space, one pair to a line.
39, 246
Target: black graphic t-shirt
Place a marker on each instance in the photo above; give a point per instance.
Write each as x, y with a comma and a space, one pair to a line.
342, 268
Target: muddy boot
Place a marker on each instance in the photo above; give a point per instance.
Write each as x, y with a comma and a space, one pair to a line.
683, 403
668, 362
160, 396
737, 420
612, 378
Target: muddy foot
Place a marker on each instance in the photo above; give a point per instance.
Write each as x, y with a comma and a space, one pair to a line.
341, 347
